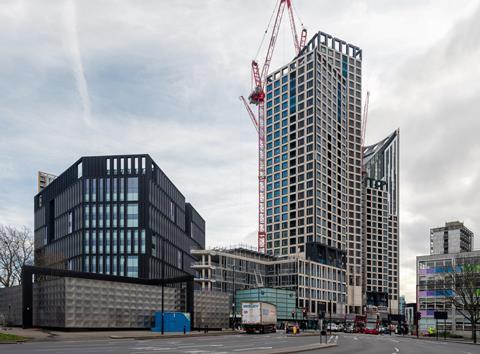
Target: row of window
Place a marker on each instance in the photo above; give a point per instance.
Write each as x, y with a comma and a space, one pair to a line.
114, 241
110, 215
110, 189
125, 164
126, 266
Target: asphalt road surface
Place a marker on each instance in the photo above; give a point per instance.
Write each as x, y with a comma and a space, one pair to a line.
385, 344
347, 343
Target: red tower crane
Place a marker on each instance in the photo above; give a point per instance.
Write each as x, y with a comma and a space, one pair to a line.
257, 98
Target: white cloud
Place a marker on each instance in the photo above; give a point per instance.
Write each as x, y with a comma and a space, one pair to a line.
164, 77
71, 42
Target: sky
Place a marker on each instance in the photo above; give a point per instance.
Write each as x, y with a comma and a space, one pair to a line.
97, 77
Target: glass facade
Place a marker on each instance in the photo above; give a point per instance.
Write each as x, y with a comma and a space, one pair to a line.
99, 218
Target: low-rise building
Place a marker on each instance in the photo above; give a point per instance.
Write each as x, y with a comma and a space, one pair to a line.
433, 295
228, 270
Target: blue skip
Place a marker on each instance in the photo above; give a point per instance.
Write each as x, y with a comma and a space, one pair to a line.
174, 322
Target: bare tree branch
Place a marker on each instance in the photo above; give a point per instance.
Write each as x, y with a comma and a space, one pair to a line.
464, 284
16, 250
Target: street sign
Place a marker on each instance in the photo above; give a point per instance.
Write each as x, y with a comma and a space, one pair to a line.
440, 315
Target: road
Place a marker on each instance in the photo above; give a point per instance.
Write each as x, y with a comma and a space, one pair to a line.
370, 344
242, 344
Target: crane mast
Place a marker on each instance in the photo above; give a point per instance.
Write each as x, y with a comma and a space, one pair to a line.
257, 98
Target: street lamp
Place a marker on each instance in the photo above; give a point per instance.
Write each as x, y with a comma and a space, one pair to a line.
234, 316
330, 314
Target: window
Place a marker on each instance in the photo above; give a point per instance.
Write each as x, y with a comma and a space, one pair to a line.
132, 215
86, 190
79, 170
172, 211
107, 243
100, 241
143, 165
179, 259
86, 216
143, 242
70, 222
94, 190
122, 215
132, 266
114, 189
132, 188
107, 189
114, 216
86, 242
100, 190
135, 241
121, 243
100, 215
93, 211
121, 188
93, 245
108, 166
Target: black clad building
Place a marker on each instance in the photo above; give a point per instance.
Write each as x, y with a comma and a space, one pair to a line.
117, 215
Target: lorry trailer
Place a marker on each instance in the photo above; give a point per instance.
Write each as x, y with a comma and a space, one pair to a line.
259, 317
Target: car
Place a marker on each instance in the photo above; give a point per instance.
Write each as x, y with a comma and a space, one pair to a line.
290, 326
383, 330
349, 328
340, 327
332, 327
370, 328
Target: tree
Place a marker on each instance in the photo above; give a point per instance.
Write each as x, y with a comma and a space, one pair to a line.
464, 284
16, 250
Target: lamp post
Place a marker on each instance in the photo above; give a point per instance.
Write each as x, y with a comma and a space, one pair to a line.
330, 311
234, 315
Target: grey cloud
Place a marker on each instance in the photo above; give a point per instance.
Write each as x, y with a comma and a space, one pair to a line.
164, 78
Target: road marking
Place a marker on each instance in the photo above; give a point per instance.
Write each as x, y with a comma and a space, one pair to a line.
199, 345
256, 348
394, 340
153, 349
355, 338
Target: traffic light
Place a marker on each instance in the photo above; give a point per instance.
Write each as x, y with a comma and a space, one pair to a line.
293, 314
419, 316
304, 313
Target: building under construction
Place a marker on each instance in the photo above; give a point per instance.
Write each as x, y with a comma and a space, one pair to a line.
309, 125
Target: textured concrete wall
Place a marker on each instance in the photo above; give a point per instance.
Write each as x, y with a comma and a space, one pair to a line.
212, 309
104, 304
11, 306
86, 303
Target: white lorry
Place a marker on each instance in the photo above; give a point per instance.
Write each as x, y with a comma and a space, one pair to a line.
259, 317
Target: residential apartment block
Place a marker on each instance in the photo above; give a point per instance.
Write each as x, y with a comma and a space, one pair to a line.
239, 268
381, 242
313, 110
454, 237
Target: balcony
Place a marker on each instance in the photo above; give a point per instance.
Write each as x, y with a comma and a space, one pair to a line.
202, 265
